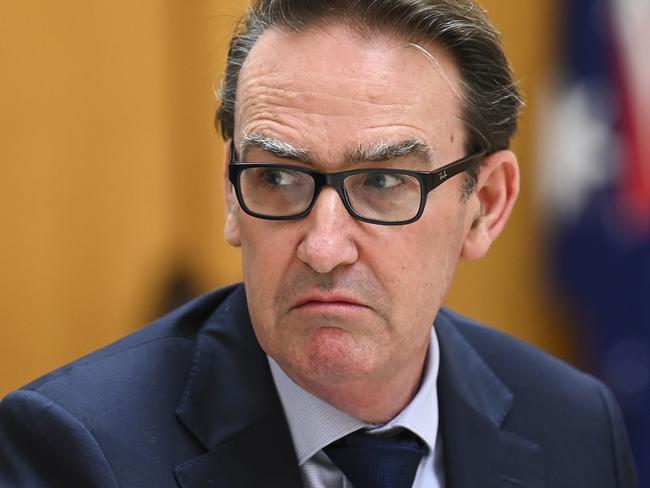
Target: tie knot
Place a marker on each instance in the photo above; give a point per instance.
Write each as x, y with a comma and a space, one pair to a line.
373, 461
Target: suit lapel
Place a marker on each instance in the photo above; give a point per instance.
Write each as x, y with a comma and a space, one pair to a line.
230, 404
474, 403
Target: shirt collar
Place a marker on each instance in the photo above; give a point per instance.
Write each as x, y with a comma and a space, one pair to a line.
314, 423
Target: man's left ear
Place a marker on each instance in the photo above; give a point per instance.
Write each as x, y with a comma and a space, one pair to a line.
491, 204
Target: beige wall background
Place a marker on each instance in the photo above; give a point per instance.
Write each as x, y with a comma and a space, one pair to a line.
110, 184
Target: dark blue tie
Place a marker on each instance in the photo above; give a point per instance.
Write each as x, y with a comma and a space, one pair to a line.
371, 461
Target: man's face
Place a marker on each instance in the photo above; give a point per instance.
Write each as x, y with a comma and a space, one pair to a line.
332, 299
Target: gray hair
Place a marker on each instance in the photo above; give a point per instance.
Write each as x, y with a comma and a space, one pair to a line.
491, 100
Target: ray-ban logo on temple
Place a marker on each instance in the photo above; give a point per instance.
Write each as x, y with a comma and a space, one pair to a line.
376, 195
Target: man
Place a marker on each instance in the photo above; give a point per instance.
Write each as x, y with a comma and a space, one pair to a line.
368, 152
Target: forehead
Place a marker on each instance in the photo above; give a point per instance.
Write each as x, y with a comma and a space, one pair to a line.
328, 88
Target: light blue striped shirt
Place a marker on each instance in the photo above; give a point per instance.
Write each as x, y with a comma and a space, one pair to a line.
315, 423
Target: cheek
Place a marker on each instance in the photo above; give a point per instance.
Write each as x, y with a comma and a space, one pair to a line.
268, 254
263, 259
260, 267
264, 244
425, 264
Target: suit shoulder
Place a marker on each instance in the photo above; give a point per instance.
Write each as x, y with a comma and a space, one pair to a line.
518, 363
571, 415
150, 360
108, 419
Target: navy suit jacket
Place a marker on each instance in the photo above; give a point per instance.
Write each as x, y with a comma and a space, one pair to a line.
189, 401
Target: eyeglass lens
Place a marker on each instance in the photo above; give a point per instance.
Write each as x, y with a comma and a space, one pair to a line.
389, 197
276, 192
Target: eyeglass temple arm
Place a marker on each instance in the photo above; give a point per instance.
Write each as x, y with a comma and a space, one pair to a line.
443, 173
233, 152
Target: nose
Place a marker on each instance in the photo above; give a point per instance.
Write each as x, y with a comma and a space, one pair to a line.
328, 240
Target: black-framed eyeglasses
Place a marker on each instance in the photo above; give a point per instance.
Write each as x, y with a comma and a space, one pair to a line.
376, 195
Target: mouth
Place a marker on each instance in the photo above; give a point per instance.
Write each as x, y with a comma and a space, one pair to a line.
327, 302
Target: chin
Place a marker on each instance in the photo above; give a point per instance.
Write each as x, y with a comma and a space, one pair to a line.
336, 356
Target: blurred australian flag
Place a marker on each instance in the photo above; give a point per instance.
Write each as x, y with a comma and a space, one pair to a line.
595, 161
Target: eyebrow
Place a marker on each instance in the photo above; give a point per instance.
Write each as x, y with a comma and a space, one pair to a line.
375, 153
387, 151
276, 147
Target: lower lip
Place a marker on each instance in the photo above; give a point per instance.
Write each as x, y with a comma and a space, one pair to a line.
331, 307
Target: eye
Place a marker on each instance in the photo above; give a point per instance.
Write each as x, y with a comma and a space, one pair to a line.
278, 177
383, 181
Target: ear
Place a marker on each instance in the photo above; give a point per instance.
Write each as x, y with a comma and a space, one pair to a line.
231, 228
491, 203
